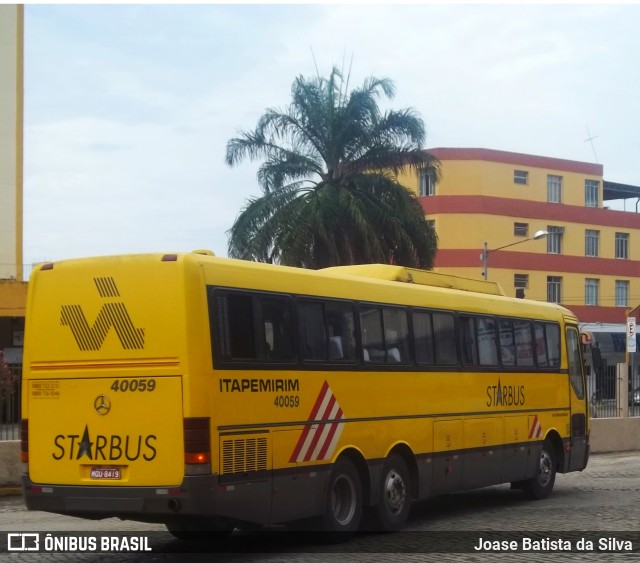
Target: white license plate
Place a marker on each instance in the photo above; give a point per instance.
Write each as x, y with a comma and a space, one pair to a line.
105, 473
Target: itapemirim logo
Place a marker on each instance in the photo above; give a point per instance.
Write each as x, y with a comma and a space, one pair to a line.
91, 338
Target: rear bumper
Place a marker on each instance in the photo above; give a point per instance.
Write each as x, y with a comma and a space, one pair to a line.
197, 496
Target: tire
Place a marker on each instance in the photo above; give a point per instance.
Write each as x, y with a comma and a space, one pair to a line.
541, 485
343, 505
394, 496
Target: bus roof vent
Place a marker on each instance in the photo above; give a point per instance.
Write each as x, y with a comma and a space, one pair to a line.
419, 277
203, 252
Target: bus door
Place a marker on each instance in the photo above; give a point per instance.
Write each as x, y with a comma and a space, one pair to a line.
578, 402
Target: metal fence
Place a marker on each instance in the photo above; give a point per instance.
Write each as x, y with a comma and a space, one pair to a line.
605, 402
10, 408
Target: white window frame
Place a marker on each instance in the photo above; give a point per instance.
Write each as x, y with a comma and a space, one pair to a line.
554, 239
521, 229
554, 289
426, 182
521, 281
591, 193
622, 293
592, 292
591, 242
554, 188
622, 246
521, 177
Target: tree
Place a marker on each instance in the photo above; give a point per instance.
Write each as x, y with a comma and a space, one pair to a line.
330, 194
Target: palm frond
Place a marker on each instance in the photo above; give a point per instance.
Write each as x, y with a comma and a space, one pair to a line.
329, 163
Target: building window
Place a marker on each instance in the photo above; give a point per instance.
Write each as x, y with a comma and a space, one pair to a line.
591, 242
591, 188
520, 177
554, 239
521, 281
427, 184
554, 289
591, 291
521, 229
622, 293
622, 245
554, 189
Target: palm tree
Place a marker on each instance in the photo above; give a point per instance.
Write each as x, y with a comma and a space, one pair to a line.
330, 194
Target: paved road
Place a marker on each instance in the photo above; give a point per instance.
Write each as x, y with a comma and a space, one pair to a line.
602, 500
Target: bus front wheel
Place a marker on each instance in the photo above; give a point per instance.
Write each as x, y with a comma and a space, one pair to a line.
394, 499
343, 509
541, 485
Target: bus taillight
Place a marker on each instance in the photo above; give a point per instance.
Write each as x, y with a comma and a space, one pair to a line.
200, 457
24, 440
197, 446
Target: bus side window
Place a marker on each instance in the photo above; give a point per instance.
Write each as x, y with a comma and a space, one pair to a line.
277, 317
486, 337
341, 328
371, 334
312, 331
575, 362
524, 344
507, 343
541, 345
396, 326
385, 335
553, 344
547, 341
423, 337
444, 337
468, 341
235, 326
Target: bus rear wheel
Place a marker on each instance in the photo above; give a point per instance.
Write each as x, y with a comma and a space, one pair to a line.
343, 508
394, 498
541, 485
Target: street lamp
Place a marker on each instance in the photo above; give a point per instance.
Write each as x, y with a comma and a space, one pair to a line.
485, 251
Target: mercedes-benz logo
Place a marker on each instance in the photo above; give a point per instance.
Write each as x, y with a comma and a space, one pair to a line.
102, 404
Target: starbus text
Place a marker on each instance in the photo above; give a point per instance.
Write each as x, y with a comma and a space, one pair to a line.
106, 448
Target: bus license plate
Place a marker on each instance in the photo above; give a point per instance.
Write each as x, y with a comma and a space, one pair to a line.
104, 473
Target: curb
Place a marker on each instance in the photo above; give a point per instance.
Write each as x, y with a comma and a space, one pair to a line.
10, 491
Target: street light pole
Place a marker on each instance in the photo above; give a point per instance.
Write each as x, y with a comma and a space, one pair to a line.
485, 259
485, 251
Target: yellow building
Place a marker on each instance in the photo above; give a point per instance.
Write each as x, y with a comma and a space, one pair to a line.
589, 261
498, 200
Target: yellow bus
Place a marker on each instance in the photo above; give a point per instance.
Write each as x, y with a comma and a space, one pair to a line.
208, 393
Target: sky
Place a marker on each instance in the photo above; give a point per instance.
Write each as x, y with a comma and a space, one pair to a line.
128, 108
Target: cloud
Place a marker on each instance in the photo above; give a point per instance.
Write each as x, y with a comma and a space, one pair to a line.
128, 108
